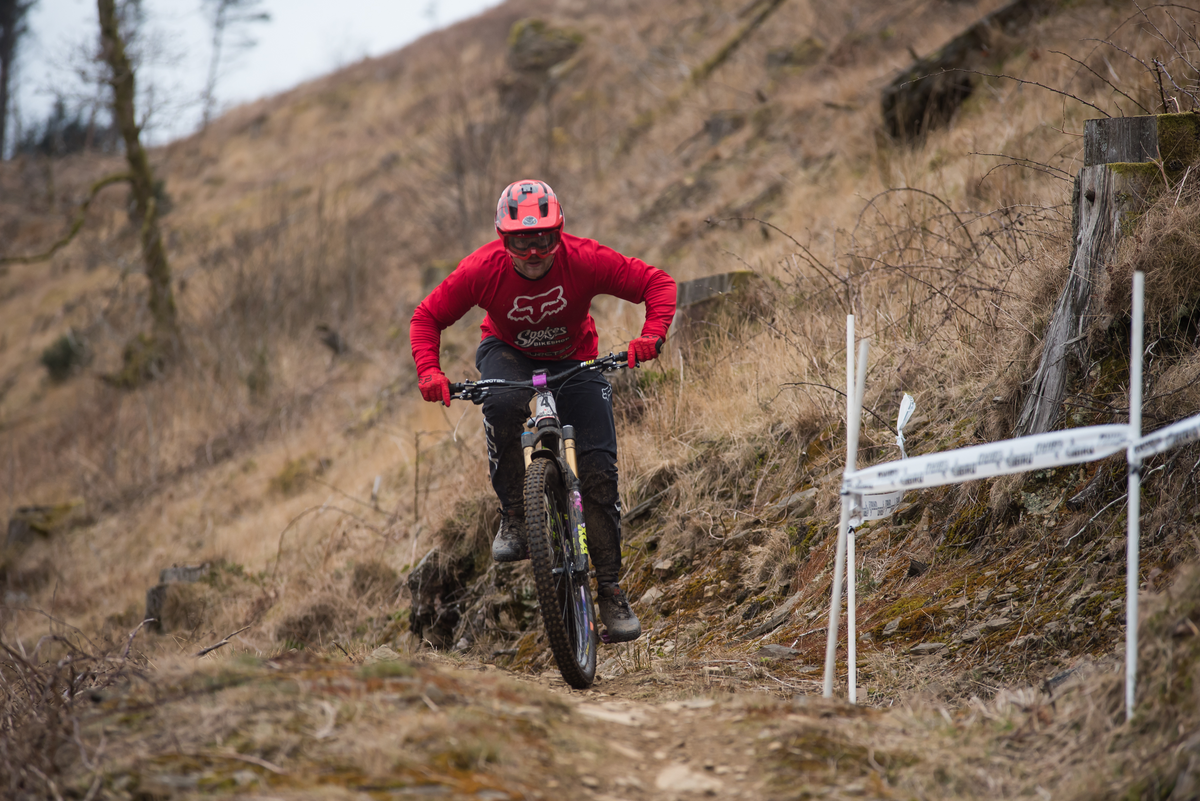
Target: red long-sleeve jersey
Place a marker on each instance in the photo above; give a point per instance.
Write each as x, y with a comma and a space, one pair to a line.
548, 318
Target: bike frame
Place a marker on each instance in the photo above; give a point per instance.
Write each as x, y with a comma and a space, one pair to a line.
545, 437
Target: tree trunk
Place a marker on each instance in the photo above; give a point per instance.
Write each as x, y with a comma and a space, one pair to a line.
158, 270
10, 17
1128, 160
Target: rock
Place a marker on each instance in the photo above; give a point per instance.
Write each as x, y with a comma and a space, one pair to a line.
1026, 641
972, 634
782, 613
29, 522
961, 603
776, 652
650, 596
679, 778
689, 703
663, 568
891, 628
798, 501
995, 624
916, 568
927, 94
645, 507
927, 648
381, 654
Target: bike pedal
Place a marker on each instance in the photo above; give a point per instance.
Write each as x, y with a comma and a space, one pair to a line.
604, 638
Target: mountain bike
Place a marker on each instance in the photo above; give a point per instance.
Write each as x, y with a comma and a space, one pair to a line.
554, 524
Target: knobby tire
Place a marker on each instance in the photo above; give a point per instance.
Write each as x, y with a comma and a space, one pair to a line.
565, 599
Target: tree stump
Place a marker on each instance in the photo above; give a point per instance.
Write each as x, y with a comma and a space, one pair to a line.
156, 596
1127, 162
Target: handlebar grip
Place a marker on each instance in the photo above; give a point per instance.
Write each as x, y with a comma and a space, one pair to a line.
457, 388
623, 356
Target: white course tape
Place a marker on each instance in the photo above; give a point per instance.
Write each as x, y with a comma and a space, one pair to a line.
1037, 452
1164, 439
907, 407
877, 506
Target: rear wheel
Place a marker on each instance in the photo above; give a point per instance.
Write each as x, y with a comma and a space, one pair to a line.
565, 597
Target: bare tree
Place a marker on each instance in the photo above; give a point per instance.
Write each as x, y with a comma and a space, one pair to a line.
141, 179
12, 27
227, 16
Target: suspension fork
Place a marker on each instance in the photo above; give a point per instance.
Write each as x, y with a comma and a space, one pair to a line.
575, 502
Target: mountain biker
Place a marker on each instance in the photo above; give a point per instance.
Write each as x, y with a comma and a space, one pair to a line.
536, 284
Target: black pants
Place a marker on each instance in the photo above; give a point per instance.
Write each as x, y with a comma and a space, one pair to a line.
584, 402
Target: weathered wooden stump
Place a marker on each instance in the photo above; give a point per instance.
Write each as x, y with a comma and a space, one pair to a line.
740, 294
156, 596
1127, 162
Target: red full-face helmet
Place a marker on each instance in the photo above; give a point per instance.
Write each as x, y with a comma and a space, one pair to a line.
529, 220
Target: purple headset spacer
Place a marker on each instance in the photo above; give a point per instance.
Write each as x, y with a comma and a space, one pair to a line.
539, 381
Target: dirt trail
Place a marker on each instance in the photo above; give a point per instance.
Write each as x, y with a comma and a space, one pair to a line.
665, 748
680, 734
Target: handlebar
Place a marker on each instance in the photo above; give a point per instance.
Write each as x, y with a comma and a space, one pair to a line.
477, 391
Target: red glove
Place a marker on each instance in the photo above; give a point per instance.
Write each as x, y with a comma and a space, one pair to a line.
435, 387
643, 349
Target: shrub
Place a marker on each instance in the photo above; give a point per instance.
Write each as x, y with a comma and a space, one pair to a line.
65, 356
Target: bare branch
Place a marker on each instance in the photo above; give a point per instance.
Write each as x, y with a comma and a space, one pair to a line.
76, 225
1030, 83
1101, 77
211, 648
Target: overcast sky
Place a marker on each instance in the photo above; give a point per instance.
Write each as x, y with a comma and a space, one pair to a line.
304, 39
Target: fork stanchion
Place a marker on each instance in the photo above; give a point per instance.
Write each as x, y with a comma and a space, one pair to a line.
1133, 535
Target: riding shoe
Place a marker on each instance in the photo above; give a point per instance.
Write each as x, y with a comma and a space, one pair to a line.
616, 615
510, 544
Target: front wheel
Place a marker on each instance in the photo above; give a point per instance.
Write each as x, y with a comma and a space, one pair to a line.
564, 595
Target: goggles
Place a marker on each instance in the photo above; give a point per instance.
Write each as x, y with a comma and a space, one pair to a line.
538, 244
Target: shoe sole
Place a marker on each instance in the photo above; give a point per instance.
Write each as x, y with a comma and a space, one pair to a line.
611, 639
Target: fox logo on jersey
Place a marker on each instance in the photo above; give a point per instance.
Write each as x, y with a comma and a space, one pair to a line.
535, 308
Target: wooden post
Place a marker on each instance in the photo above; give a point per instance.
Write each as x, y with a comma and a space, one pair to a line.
1127, 161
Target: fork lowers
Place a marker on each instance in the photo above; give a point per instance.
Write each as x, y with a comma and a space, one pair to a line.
563, 591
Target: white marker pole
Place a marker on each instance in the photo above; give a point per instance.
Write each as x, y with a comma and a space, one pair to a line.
1135, 487
839, 560
851, 464
853, 413
851, 622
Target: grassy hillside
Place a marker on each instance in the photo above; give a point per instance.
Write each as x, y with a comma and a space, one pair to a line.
705, 136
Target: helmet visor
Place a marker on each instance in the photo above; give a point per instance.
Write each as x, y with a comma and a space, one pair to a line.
533, 245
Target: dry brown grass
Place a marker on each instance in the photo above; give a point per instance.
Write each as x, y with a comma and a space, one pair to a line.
327, 204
